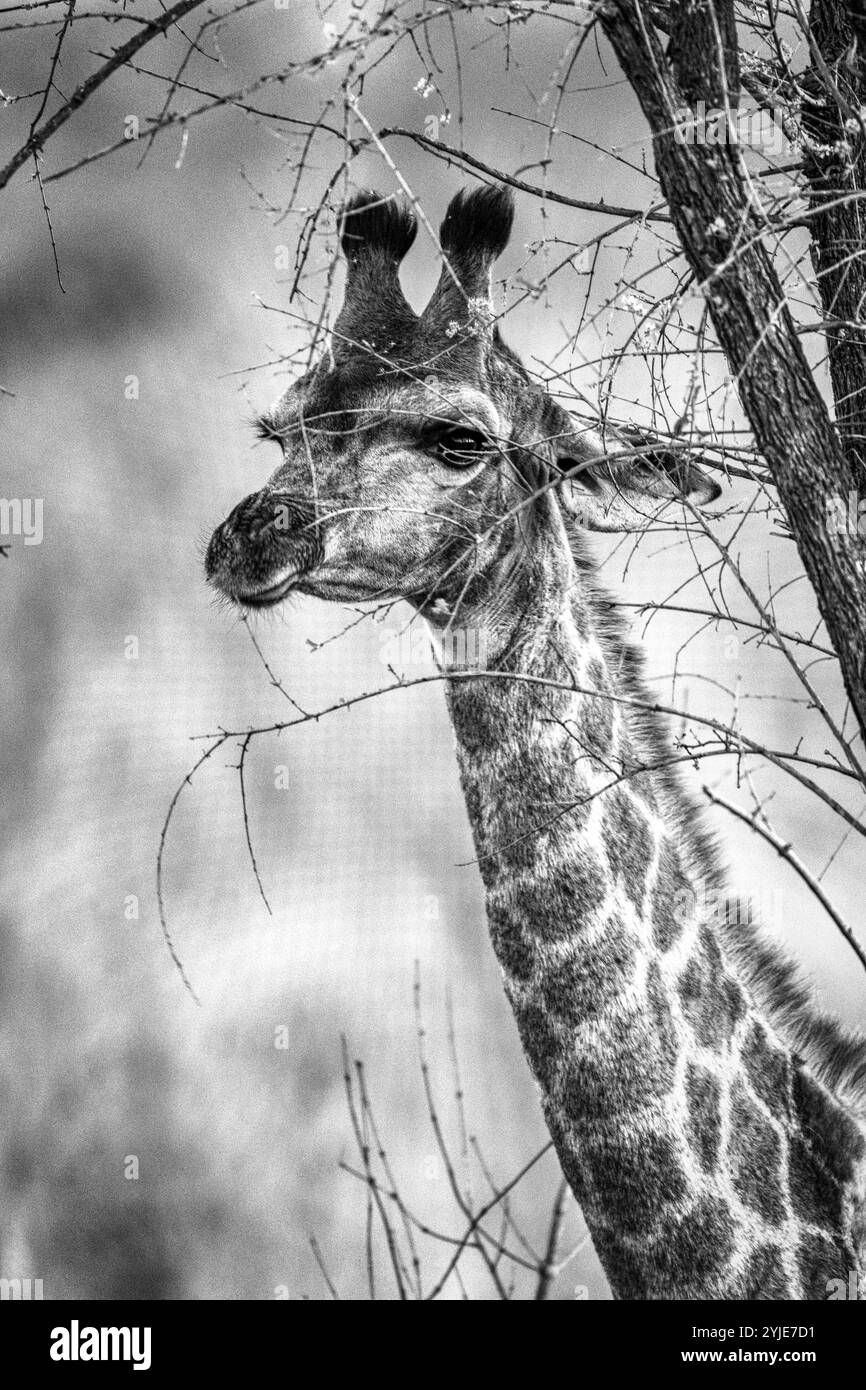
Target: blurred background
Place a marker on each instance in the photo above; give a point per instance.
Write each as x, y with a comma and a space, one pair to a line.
155, 1148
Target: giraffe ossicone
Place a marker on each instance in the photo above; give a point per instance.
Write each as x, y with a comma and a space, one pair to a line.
709, 1124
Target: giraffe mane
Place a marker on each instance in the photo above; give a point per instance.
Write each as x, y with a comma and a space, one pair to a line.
835, 1055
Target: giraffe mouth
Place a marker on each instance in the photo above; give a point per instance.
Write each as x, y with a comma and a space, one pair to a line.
270, 596
262, 549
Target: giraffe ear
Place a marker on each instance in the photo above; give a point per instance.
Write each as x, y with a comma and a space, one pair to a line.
621, 482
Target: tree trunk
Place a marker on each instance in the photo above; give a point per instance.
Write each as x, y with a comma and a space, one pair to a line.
721, 230
834, 160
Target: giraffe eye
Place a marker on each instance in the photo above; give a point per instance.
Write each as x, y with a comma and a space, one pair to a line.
460, 446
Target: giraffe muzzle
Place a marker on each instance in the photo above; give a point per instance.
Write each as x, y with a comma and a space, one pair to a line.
265, 546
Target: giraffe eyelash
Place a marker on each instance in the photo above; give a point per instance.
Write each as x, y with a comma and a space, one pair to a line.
265, 428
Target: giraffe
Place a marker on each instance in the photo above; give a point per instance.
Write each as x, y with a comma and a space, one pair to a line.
709, 1124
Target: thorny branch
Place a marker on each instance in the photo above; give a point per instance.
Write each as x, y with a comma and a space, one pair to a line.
721, 306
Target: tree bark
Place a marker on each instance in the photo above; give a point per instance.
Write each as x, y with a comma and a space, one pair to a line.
721, 230
834, 161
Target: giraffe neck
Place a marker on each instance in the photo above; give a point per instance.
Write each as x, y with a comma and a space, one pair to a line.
707, 1161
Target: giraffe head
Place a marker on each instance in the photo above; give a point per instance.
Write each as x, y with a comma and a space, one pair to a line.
418, 455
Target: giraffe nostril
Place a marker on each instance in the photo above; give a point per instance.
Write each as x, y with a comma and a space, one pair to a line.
266, 537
